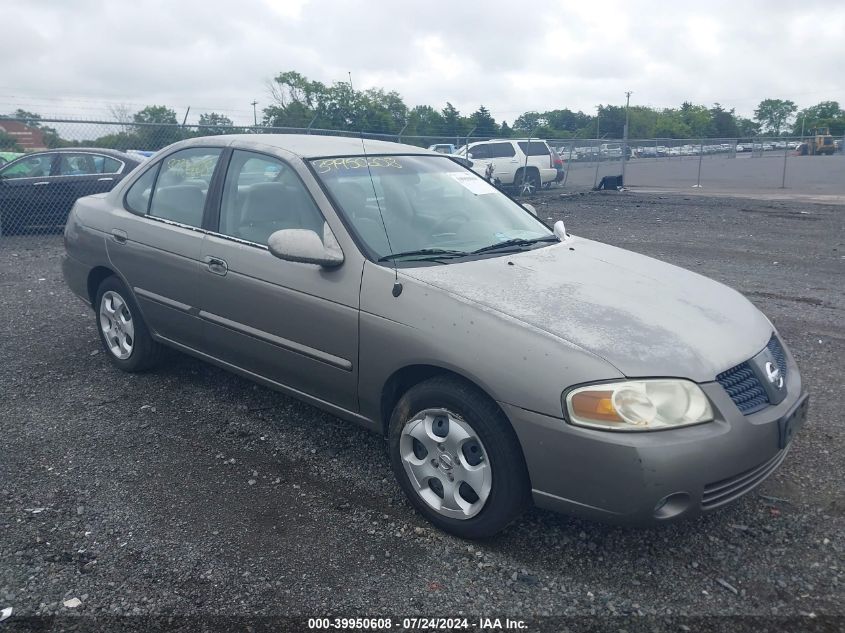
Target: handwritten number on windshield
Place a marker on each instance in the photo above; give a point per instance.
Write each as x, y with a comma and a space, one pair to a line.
356, 162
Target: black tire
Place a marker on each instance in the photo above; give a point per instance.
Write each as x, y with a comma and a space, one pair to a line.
510, 491
146, 353
527, 182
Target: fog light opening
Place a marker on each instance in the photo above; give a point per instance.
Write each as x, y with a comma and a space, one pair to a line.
672, 505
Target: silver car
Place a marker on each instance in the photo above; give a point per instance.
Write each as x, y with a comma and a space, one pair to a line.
504, 361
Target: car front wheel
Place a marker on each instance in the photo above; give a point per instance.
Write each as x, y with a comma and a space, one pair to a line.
457, 458
123, 333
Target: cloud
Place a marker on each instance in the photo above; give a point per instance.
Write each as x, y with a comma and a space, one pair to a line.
75, 58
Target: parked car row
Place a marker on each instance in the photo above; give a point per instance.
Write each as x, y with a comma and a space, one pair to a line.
767, 146
613, 151
687, 149
6, 157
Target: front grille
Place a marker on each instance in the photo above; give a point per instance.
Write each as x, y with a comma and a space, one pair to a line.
742, 385
777, 351
744, 389
721, 492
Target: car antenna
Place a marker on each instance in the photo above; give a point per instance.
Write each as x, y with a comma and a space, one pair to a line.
397, 287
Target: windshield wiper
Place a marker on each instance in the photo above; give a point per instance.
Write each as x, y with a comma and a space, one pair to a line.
518, 241
423, 253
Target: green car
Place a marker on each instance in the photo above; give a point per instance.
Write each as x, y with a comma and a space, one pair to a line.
6, 157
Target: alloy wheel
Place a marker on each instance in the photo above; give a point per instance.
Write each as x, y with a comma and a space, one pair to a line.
446, 463
527, 186
117, 325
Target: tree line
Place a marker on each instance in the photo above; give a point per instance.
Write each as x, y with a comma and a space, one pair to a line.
298, 102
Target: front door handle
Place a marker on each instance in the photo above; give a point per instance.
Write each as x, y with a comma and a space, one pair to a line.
216, 265
38, 184
119, 236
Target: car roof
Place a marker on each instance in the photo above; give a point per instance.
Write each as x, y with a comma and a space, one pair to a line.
75, 150
314, 146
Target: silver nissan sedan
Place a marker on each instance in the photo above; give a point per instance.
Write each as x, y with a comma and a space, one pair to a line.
504, 361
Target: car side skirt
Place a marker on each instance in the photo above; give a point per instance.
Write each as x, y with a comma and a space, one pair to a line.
340, 412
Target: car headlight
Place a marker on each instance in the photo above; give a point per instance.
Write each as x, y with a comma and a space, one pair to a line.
638, 405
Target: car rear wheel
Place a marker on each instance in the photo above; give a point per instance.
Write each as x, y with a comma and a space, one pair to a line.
123, 333
527, 182
457, 458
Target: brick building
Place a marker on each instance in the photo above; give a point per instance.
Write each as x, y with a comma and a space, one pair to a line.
28, 138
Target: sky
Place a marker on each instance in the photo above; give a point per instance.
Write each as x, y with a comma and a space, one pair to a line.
76, 58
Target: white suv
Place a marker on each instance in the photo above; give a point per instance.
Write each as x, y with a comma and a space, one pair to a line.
524, 164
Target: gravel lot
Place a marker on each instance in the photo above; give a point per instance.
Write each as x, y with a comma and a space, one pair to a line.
191, 491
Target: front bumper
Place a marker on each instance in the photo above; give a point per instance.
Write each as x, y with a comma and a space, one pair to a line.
651, 477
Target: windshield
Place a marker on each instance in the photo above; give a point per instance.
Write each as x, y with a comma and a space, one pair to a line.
428, 203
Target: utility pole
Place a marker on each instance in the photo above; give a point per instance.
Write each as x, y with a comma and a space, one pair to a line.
185, 120
254, 113
468, 135
625, 136
596, 147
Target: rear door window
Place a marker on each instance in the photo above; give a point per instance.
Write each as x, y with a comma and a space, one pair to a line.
107, 165
182, 185
77, 165
501, 150
534, 148
87, 164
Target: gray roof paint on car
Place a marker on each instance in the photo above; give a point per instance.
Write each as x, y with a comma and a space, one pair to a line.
313, 146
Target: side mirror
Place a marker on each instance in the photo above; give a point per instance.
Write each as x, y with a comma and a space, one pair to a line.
469, 155
560, 231
529, 207
306, 247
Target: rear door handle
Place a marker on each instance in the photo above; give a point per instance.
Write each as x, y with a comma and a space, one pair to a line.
38, 184
104, 179
119, 236
216, 265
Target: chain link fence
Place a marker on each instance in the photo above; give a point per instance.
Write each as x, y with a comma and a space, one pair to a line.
39, 184
717, 164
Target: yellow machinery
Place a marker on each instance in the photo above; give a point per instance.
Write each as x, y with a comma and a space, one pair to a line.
819, 143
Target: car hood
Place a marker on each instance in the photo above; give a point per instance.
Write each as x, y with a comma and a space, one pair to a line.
644, 316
